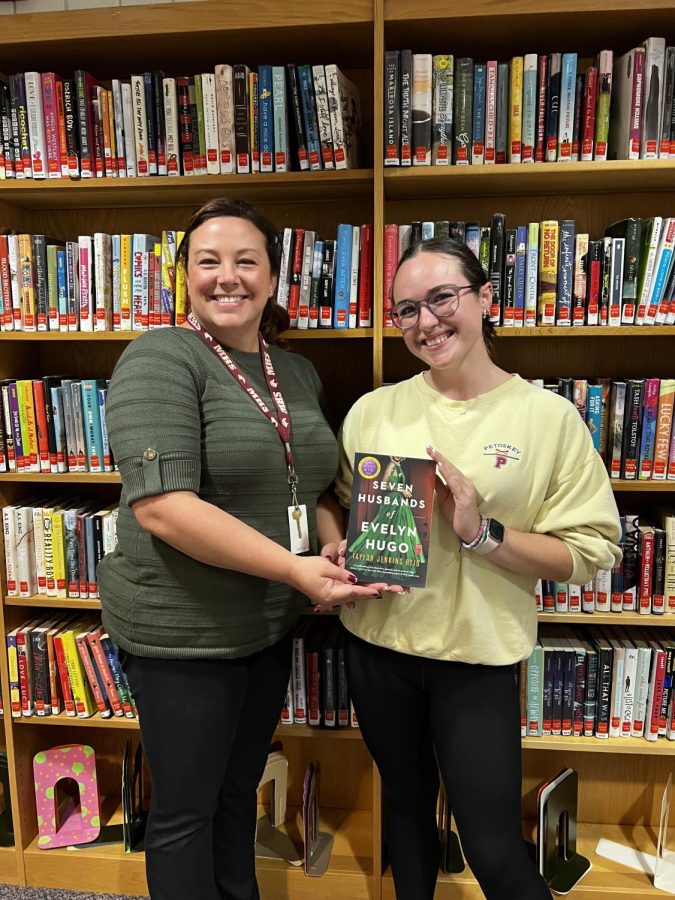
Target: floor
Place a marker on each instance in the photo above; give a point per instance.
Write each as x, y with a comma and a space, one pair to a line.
8, 892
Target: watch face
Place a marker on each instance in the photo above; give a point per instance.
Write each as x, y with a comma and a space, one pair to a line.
496, 530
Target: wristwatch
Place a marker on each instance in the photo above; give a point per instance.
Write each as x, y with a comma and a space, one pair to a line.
492, 537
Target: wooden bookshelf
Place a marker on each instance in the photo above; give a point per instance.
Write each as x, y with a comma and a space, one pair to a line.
621, 779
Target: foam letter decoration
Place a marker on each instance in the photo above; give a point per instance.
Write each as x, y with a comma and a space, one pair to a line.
75, 824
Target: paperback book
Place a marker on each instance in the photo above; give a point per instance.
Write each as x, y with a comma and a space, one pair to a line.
390, 519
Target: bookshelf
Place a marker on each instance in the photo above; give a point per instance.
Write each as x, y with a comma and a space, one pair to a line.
620, 780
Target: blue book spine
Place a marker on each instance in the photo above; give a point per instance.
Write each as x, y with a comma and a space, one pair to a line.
343, 268
265, 111
427, 230
62, 289
565, 273
92, 425
107, 456
648, 438
280, 119
594, 412
478, 129
309, 118
471, 237
662, 272
568, 82
521, 258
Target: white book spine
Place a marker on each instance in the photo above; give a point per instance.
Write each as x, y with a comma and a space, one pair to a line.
643, 299
323, 116
299, 682
225, 113
283, 286
574, 593
211, 124
602, 590
36, 125
641, 692
629, 686
140, 125
39, 548
25, 555
335, 109
129, 130
170, 100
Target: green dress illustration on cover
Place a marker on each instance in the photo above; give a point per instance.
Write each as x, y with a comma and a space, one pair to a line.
396, 514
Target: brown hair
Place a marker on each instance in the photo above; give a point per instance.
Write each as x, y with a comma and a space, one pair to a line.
471, 269
274, 318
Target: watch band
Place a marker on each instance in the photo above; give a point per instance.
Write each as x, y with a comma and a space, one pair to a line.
492, 539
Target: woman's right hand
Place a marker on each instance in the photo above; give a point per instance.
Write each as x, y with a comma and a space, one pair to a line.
326, 584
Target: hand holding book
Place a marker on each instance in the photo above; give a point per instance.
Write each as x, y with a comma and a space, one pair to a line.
456, 497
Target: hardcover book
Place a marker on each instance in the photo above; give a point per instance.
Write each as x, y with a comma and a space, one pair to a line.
390, 519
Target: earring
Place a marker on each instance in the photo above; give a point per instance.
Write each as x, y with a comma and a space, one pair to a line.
485, 313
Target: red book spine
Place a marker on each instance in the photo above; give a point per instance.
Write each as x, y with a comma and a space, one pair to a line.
659, 671
83, 650
93, 639
365, 319
64, 678
296, 275
41, 425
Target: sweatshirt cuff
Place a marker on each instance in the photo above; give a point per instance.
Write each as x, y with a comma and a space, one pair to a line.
155, 473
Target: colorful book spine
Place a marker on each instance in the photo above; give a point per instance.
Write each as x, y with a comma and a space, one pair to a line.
515, 140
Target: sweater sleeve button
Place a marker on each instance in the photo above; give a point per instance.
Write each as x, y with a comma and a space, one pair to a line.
150, 454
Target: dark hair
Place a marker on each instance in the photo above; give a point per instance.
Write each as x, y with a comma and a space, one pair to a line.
471, 269
274, 318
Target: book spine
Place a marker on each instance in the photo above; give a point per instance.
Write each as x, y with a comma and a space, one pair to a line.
548, 272
553, 106
241, 134
565, 273
281, 159
568, 78
210, 124
502, 128
225, 111
254, 123
295, 109
365, 316
309, 116
604, 95
463, 111
515, 143
422, 97
392, 108
478, 126
442, 109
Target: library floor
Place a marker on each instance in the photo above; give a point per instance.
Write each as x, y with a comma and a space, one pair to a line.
8, 892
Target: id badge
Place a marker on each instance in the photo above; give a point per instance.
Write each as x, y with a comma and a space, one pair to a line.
298, 528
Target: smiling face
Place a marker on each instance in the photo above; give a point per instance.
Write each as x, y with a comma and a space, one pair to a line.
454, 344
229, 279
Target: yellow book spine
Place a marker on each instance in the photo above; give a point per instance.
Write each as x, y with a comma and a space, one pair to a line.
516, 108
13, 667
168, 277
24, 391
82, 697
125, 282
664, 423
548, 272
59, 553
26, 283
181, 286
253, 120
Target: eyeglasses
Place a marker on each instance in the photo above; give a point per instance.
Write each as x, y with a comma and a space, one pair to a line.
442, 302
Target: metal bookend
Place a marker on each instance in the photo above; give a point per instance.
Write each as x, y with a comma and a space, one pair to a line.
560, 864
270, 843
319, 854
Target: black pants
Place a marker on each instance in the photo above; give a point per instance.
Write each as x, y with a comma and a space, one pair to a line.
206, 727
420, 715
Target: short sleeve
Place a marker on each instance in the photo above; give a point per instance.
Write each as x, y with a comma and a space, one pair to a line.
153, 417
347, 446
580, 510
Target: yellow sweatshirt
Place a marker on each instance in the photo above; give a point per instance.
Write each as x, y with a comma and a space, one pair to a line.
531, 459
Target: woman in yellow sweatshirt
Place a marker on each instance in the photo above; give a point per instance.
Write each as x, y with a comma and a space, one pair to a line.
521, 494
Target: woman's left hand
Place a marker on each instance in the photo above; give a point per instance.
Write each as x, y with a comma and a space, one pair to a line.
456, 497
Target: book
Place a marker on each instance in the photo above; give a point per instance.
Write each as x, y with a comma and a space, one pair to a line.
393, 549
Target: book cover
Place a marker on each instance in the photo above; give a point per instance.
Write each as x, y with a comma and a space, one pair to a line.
390, 519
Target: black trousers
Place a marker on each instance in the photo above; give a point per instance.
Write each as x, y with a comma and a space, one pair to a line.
206, 727
420, 715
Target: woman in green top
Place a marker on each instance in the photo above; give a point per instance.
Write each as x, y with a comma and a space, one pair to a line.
225, 454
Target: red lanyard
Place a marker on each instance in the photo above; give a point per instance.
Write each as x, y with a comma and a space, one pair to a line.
282, 420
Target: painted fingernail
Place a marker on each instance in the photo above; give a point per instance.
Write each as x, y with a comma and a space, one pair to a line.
377, 596
352, 579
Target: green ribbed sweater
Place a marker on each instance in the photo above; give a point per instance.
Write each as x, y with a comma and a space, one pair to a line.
170, 394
